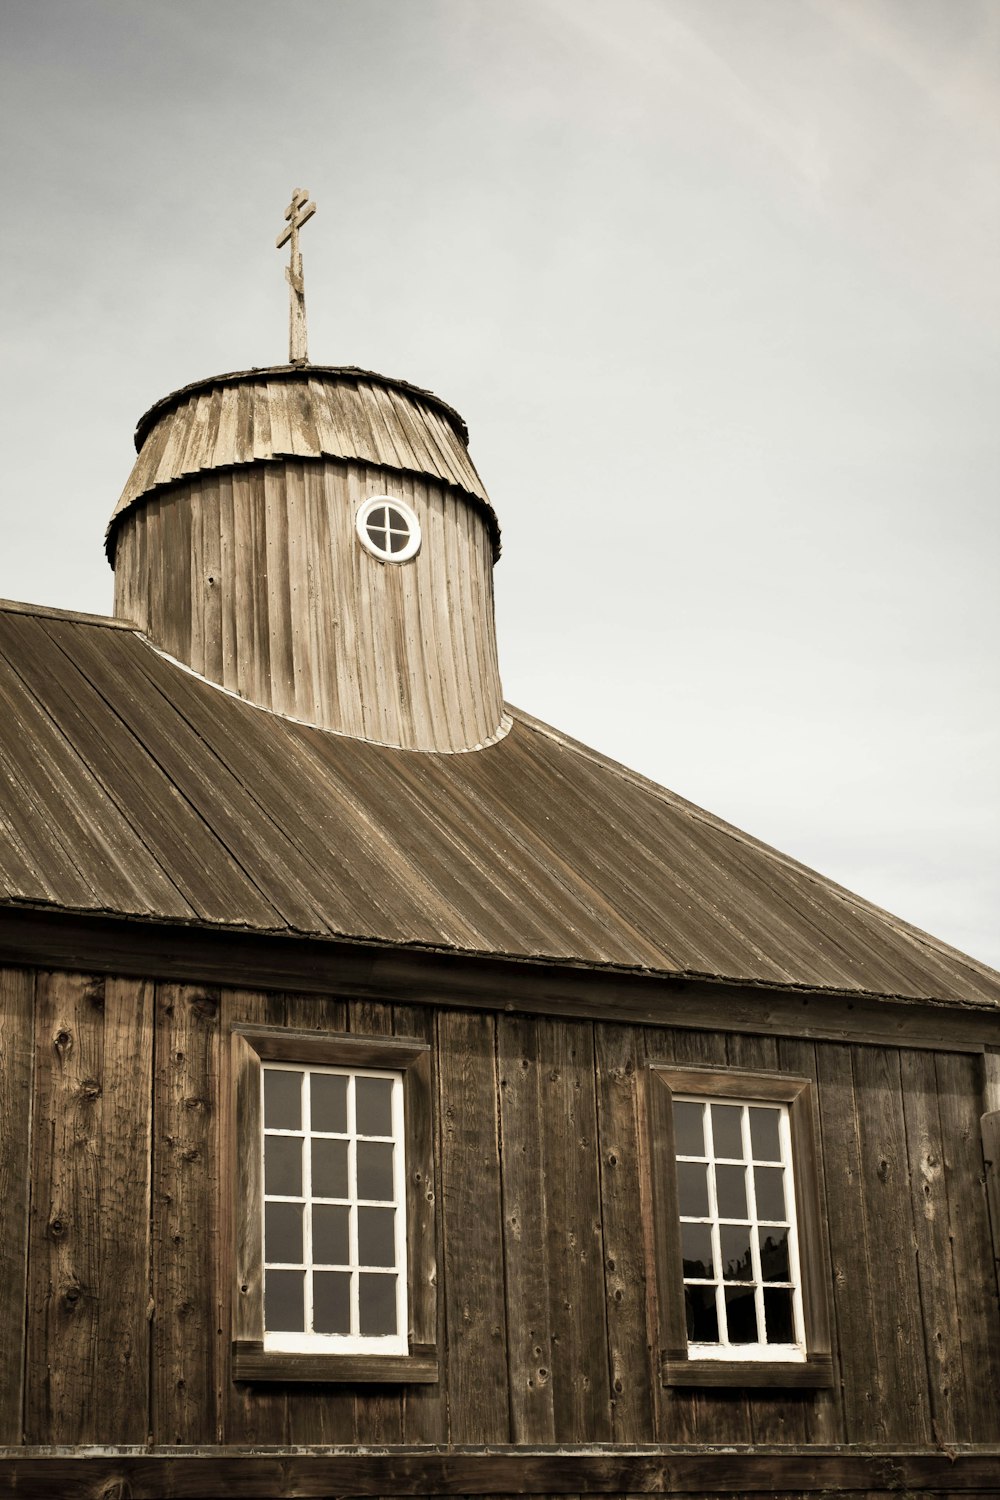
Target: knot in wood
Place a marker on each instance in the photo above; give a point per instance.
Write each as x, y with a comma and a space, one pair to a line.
56, 1228
63, 1040
205, 1007
90, 1088
71, 1295
883, 1170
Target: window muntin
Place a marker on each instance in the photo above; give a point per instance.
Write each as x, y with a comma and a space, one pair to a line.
739, 1246
388, 528
334, 1228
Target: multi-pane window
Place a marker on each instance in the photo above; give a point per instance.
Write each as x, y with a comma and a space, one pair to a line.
742, 1295
736, 1202
334, 1210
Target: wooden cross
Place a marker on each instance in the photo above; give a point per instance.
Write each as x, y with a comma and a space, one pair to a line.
298, 212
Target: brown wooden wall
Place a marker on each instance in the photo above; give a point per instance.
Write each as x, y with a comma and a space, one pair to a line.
255, 578
109, 1176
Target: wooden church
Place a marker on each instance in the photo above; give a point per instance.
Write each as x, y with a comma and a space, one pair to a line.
400, 1098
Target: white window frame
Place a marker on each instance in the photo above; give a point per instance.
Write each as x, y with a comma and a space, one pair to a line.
725, 1348
376, 502
309, 1341
804, 1364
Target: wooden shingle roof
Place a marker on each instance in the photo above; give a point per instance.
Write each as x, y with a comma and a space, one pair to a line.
310, 411
130, 786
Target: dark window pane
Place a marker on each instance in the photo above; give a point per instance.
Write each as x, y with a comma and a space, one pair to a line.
329, 1169
778, 1315
741, 1315
377, 519
692, 1189
283, 1301
764, 1138
769, 1185
376, 1236
328, 1093
396, 520
774, 1255
397, 541
696, 1250
731, 1192
375, 1170
373, 1106
734, 1247
331, 1234
376, 1304
689, 1129
282, 1099
702, 1317
331, 1301
283, 1165
726, 1130
283, 1232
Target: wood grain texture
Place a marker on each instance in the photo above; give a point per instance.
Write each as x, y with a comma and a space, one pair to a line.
959, 1089
89, 1299
528, 1273
896, 1329
475, 1322
622, 1474
188, 1358
619, 1057
256, 578
935, 1257
17, 998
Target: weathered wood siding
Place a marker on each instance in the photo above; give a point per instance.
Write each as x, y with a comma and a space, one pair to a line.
544, 1319
255, 578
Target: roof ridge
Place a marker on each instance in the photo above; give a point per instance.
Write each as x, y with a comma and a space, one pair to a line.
76, 616
850, 898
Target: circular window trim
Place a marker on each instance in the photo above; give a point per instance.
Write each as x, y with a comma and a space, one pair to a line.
374, 502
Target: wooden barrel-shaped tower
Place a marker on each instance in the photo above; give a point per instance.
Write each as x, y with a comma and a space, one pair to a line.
317, 540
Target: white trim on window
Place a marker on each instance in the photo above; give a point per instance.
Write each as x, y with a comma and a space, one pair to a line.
350, 1201
388, 528
781, 1293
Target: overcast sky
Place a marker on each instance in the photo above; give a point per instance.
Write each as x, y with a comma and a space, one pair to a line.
715, 285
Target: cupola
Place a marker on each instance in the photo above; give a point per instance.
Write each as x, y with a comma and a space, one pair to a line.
316, 539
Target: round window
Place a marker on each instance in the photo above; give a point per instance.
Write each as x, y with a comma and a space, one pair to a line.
389, 529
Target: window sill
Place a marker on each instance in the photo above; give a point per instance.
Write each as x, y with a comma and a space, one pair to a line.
251, 1362
740, 1374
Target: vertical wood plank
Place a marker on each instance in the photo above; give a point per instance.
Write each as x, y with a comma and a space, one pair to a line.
121, 1388
210, 580
896, 1329
528, 1275
232, 587
473, 1234
935, 1259
853, 1286
88, 1357
188, 1359
618, 1053
959, 1103
279, 612
17, 995
581, 1396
